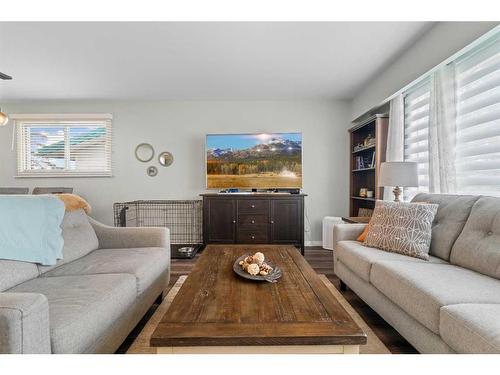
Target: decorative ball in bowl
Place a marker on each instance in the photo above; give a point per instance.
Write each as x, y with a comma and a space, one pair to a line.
256, 267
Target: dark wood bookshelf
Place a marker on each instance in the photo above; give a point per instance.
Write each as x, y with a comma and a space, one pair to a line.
367, 176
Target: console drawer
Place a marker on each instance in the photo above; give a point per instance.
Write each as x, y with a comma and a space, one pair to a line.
253, 205
252, 220
256, 236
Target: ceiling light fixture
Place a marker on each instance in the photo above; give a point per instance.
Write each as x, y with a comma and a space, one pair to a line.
5, 76
4, 119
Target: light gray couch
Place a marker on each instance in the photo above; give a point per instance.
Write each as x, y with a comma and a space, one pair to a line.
91, 299
449, 304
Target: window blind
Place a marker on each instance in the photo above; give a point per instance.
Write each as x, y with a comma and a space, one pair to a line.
59, 147
478, 121
416, 129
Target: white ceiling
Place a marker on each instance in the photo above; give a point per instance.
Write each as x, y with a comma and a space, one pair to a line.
189, 61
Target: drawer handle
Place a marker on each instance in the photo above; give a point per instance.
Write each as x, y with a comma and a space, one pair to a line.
253, 206
253, 221
253, 237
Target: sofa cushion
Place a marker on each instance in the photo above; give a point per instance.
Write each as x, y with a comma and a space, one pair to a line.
79, 238
471, 328
403, 228
82, 308
146, 264
359, 258
13, 272
422, 288
449, 221
478, 246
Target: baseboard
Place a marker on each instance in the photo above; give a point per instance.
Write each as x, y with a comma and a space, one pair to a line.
313, 243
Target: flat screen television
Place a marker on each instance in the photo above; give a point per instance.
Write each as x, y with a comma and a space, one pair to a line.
254, 161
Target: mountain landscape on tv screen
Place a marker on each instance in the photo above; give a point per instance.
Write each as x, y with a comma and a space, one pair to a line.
257, 161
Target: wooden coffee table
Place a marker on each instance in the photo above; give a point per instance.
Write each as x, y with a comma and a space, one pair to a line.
216, 311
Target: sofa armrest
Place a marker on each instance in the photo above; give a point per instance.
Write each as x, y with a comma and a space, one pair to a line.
24, 323
346, 232
128, 237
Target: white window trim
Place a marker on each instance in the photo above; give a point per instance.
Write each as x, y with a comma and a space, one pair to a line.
60, 118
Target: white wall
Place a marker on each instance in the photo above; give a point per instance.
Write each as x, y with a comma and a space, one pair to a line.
435, 46
180, 127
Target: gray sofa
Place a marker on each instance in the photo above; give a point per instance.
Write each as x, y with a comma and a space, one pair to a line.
449, 304
92, 298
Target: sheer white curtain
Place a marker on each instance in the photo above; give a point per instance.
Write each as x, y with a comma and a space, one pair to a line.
442, 131
395, 136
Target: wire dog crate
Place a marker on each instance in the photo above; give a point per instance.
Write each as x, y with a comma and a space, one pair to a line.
182, 217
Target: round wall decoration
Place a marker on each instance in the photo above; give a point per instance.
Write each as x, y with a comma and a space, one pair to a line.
165, 158
144, 152
152, 171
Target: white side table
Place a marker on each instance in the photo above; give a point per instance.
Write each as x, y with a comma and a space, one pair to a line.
328, 224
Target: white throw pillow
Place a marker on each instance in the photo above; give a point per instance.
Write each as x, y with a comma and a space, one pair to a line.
403, 228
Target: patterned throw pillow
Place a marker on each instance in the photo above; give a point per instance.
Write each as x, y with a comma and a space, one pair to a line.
403, 228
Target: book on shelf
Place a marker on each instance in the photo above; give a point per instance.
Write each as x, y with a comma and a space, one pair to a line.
364, 162
359, 162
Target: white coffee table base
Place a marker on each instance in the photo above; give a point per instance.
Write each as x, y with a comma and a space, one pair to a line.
275, 349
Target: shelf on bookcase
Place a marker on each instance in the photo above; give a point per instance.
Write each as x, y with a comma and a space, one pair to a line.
363, 169
364, 199
364, 149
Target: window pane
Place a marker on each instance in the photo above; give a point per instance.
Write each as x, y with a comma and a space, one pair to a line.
87, 148
64, 147
46, 148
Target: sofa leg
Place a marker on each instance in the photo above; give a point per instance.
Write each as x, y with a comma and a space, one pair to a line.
159, 300
343, 286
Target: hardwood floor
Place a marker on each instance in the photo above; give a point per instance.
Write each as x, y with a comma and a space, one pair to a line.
322, 262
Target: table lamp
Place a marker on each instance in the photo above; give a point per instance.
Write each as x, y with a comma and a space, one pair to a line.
398, 174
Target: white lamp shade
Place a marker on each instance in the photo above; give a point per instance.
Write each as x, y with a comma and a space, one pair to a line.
398, 173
